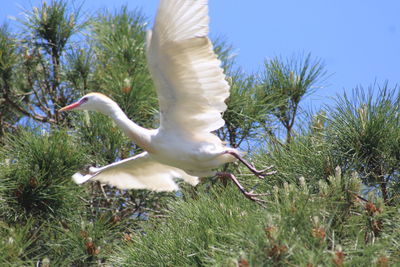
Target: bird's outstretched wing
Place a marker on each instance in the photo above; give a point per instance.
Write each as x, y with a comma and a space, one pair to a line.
138, 172
191, 85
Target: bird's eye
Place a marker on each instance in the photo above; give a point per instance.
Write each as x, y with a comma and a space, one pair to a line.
84, 100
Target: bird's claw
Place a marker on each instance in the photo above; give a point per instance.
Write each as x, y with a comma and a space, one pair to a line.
267, 169
262, 173
248, 194
254, 197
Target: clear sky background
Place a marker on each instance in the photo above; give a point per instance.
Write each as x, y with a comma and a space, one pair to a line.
359, 40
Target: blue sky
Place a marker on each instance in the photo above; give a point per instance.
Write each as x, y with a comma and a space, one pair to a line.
359, 40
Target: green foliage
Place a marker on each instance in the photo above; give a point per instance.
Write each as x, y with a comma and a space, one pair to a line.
364, 133
7, 54
34, 85
52, 25
287, 82
121, 69
297, 228
101, 138
79, 70
8, 59
248, 106
16, 243
37, 173
211, 230
306, 156
80, 242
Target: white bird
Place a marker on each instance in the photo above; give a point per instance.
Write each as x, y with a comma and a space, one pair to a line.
191, 89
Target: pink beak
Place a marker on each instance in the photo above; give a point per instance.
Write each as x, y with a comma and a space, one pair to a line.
72, 106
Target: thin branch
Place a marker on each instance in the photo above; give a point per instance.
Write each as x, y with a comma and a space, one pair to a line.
26, 113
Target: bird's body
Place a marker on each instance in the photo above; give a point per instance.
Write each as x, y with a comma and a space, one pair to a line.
169, 154
191, 89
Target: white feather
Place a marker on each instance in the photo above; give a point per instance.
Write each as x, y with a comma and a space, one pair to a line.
190, 83
138, 172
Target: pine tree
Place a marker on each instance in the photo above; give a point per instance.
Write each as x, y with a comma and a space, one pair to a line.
317, 211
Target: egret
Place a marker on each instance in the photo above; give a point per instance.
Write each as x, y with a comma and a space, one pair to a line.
191, 89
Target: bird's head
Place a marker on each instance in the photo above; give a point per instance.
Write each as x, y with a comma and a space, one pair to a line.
94, 102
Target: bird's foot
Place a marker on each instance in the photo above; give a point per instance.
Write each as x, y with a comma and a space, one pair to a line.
248, 194
259, 173
264, 172
255, 197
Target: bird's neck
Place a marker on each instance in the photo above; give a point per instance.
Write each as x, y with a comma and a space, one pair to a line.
140, 136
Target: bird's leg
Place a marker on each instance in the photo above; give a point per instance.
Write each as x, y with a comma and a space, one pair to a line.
250, 195
259, 173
